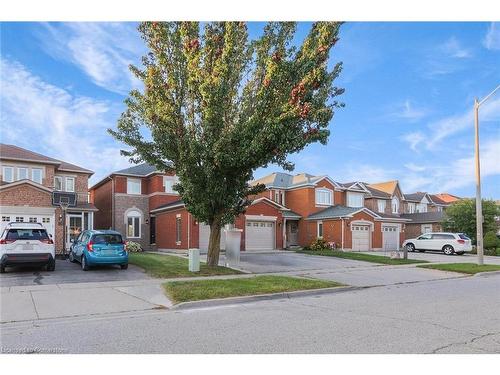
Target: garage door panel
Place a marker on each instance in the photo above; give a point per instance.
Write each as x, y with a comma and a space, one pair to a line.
47, 220
390, 237
360, 237
259, 235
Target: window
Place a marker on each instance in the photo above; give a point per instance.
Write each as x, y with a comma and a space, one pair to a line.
70, 184
8, 174
169, 182
19, 219
439, 209
5, 218
411, 208
424, 237
178, 230
324, 197
36, 175
282, 198
442, 236
46, 220
355, 199
133, 186
133, 227
33, 220
381, 205
395, 205
22, 173
277, 196
320, 229
463, 236
422, 207
107, 239
58, 183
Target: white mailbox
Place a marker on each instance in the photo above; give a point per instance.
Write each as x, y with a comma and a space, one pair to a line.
233, 241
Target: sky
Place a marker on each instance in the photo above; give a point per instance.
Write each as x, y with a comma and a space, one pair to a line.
409, 92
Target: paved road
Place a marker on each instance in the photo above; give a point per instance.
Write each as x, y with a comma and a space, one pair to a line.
67, 272
445, 316
439, 257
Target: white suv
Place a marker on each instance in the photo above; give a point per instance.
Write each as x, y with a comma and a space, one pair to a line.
449, 243
26, 244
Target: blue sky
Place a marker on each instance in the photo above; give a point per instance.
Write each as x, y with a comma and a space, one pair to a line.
408, 115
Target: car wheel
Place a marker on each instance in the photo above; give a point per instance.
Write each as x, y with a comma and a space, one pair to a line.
85, 266
71, 257
2, 269
124, 266
421, 251
51, 266
448, 250
460, 253
410, 247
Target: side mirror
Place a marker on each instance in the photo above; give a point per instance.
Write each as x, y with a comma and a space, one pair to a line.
72, 240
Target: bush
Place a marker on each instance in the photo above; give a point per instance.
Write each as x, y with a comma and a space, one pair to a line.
490, 241
320, 244
134, 247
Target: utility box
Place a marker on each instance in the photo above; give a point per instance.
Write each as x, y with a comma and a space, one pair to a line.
194, 260
233, 241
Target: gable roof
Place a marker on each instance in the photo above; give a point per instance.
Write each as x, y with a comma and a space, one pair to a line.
280, 180
447, 198
333, 212
388, 187
415, 197
140, 170
12, 152
437, 200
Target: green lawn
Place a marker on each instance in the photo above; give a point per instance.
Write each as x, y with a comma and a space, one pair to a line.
469, 268
166, 266
360, 256
182, 291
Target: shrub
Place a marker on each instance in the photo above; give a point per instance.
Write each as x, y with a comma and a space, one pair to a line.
320, 244
133, 247
490, 241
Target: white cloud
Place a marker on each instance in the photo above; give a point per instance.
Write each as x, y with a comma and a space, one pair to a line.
453, 48
443, 128
45, 118
366, 173
103, 51
408, 111
492, 39
414, 167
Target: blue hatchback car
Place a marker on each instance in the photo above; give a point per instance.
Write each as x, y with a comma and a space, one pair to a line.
99, 247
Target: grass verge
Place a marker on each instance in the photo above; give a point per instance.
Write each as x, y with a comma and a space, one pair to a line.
166, 266
183, 291
360, 256
468, 268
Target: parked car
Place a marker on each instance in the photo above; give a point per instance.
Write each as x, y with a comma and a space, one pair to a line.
99, 247
26, 244
449, 243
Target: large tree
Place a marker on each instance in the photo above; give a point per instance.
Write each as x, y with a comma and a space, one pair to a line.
461, 217
216, 106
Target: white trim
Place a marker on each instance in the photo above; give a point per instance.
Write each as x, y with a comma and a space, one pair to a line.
362, 222
264, 199
175, 206
133, 212
135, 180
12, 173
361, 185
29, 182
260, 218
66, 178
350, 194
322, 190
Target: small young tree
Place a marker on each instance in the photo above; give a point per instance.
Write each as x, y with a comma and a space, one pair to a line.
461, 217
218, 106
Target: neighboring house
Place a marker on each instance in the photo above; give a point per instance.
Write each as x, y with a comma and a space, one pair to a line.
426, 212
32, 184
293, 211
126, 197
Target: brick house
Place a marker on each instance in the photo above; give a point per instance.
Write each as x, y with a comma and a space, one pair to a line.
126, 197
28, 183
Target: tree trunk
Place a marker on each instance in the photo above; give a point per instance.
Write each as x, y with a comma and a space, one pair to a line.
214, 244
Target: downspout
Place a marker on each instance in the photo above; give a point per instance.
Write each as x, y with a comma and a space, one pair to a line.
189, 232
112, 202
342, 245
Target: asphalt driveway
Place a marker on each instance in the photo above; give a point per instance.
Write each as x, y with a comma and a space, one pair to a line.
286, 261
67, 272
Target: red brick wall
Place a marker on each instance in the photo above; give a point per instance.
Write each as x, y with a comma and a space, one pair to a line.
157, 200
120, 184
25, 195
165, 230
102, 199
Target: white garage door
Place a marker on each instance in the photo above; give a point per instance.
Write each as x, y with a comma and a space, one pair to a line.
47, 220
259, 235
390, 238
205, 235
360, 237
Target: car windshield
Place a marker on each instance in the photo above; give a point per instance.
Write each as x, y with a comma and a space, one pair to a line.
27, 234
463, 236
107, 239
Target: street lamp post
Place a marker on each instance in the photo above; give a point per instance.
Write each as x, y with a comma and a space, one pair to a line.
479, 207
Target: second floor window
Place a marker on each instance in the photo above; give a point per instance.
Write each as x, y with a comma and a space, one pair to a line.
422, 207
381, 205
324, 197
8, 174
22, 173
58, 183
70, 184
355, 199
169, 182
411, 208
395, 205
36, 175
133, 186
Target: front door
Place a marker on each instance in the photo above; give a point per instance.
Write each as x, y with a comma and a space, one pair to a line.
292, 233
152, 230
74, 228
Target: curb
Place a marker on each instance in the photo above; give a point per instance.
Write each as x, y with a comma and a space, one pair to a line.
488, 273
262, 297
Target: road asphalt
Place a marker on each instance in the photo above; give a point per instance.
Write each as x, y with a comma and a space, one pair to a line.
442, 316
